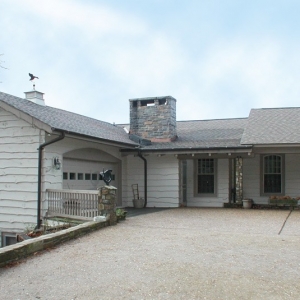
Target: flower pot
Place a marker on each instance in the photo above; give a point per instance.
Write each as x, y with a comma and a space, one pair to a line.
247, 203
138, 203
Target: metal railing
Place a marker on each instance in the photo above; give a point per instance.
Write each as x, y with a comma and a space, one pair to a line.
70, 203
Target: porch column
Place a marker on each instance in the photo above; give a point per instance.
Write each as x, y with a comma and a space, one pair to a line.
239, 179
107, 202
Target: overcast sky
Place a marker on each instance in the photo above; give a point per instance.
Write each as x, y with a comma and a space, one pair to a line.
218, 58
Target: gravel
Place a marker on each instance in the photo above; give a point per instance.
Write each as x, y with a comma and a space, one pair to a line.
171, 254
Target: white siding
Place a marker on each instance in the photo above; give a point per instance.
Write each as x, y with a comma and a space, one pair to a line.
292, 176
222, 186
19, 142
251, 179
18, 172
163, 180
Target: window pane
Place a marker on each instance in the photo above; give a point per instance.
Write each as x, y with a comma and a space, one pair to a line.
94, 176
65, 175
72, 176
205, 166
80, 176
272, 174
87, 176
206, 184
272, 183
272, 164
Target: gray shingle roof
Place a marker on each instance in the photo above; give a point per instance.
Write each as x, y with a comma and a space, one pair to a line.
264, 126
224, 133
272, 126
68, 121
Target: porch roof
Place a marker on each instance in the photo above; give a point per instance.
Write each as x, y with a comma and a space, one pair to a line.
58, 119
272, 126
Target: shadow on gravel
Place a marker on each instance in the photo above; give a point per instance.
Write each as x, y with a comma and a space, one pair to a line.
133, 212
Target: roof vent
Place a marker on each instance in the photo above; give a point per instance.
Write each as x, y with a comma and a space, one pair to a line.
35, 96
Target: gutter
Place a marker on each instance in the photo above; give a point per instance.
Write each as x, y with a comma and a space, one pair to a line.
187, 149
40, 149
145, 176
89, 137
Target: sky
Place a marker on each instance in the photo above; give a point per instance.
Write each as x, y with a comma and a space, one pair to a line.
217, 58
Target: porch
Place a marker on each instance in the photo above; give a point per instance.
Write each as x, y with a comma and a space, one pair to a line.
82, 204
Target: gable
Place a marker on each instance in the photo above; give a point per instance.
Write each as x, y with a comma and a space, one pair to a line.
53, 119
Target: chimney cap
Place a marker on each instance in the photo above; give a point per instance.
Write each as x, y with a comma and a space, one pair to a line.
152, 98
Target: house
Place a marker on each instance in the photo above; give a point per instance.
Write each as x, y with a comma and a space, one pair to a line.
201, 163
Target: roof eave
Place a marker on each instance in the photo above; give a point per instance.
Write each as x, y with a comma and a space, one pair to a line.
25, 117
243, 149
88, 137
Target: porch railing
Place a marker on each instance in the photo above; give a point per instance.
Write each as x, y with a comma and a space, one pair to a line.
70, 203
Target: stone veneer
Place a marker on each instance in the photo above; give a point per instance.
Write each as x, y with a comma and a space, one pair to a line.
154, 118
239, 179
107, 202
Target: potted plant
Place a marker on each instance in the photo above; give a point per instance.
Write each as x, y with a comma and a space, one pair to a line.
121, 214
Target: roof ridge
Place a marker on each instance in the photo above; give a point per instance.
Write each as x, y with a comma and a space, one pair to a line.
207, 120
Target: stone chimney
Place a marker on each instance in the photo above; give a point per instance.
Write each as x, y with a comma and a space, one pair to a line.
35, 96
153, 118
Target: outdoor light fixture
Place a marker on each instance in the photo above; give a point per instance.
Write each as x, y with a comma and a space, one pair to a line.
56, 163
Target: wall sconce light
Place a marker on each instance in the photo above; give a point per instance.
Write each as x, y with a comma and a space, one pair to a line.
56, 163
209, 154
229, 154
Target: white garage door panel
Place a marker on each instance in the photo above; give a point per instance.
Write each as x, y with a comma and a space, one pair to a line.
80, 174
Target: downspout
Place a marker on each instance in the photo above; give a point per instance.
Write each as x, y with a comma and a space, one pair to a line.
145, 176
41, 148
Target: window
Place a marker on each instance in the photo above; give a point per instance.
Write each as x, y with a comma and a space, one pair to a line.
8, 239
206, 176
87, 176
72, 176
94, 176
272, 174
80, 176
65, 175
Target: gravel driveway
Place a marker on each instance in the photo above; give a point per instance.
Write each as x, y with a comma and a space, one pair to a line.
171, 254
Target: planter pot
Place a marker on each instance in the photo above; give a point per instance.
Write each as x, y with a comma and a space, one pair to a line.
247, 203
138, 203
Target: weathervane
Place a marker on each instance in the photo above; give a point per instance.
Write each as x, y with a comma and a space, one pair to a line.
32, 77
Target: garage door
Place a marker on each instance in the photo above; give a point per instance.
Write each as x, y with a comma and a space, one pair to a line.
85, 175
